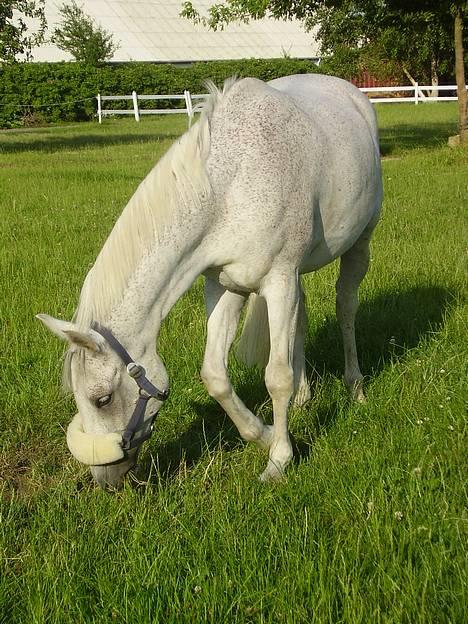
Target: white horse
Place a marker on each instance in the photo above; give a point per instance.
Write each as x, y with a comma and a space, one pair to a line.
273, 181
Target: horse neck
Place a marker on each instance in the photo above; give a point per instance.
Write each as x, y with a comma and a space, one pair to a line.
164, 274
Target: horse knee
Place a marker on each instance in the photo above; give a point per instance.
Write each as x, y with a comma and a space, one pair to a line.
217, 383
279, 380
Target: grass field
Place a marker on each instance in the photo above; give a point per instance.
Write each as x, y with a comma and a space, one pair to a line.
370, 525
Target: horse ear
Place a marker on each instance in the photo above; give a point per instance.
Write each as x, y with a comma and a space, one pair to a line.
68, 331
56, 326
85, 340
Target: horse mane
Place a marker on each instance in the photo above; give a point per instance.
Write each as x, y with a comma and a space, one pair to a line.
179, 178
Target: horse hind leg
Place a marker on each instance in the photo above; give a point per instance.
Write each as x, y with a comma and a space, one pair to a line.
302, 392
254, 345
353, 267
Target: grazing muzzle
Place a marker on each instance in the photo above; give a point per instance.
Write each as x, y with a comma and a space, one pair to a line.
93, 449
101, 449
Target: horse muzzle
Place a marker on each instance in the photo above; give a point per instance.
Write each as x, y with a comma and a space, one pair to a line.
111, 476
93, 449
103, 453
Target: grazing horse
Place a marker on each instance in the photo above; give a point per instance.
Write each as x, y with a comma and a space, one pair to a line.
274, 180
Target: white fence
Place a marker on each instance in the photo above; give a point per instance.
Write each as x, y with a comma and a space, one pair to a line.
136, 111
415, 94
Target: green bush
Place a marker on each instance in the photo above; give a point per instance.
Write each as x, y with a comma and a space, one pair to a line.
67, 91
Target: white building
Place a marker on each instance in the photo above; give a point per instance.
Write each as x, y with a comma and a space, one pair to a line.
154, 31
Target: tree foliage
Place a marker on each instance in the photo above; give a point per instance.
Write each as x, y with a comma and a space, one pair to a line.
384, 36
419, 42
422, 37
16, 38
79, 35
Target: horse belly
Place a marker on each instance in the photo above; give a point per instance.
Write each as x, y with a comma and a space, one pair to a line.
317, 259
321, 255
336, 227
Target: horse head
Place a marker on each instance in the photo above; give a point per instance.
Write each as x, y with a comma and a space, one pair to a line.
116, 401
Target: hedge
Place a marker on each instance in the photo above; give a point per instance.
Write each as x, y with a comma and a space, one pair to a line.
52, 92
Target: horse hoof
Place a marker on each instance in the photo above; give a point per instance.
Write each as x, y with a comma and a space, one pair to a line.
272, 473
356, 390
359, 397
302, 395
357, 394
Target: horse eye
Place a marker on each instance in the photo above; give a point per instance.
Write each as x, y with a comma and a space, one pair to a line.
103, 401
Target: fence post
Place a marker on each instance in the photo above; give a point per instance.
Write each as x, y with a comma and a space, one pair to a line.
416, 93
135, 106
99, 107
188, 104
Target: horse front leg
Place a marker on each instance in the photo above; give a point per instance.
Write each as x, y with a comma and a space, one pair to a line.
282, 294
223, 311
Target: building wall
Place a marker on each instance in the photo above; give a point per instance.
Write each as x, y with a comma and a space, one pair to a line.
154, 31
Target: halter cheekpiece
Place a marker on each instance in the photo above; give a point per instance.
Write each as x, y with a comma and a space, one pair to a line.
146, 391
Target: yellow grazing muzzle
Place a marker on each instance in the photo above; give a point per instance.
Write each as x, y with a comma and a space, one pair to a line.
93, 449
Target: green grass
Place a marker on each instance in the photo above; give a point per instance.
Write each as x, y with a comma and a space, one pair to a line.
370, 525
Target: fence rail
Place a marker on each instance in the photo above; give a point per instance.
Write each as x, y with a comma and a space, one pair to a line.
136, 111
416, 95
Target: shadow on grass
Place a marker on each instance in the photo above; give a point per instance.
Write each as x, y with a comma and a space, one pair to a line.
52, 143
211, 429
387, 327
404, 137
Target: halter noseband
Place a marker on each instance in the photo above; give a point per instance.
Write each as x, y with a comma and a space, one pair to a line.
146, 391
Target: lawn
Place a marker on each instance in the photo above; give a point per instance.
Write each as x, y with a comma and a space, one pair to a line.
370, 525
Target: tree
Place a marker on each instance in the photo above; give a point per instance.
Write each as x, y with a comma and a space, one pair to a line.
14, 37
79, 35
417, 43
422, 35
460, 12
457, 11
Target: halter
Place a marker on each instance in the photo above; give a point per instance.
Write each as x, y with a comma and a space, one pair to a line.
146, 391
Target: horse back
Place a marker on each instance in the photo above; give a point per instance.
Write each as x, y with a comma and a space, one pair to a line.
295, 166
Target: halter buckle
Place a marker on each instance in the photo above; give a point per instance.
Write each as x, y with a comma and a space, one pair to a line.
163, 395
143, 394
135, 370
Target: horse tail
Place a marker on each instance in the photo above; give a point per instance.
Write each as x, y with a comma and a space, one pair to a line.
253, 348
